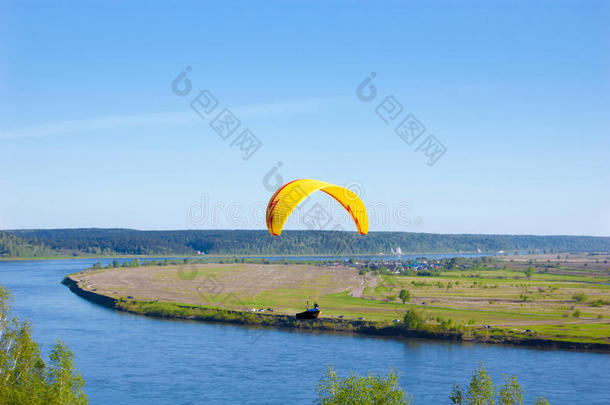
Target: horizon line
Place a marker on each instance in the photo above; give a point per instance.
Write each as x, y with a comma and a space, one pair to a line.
297, 230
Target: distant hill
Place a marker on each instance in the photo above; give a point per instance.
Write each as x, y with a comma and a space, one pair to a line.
14, 246
187, 242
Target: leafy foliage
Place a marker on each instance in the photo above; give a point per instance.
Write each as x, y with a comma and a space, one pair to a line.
25, 378
404, 296
413, 319
481, 391
14, 246
361, 390
371, 389
510, 393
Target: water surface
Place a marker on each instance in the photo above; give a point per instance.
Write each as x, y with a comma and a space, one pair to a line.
128, 359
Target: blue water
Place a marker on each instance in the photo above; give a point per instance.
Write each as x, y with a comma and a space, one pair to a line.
128, 359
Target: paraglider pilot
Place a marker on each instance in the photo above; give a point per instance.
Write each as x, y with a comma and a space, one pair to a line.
315, 306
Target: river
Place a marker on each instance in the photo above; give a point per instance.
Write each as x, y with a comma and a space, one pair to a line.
128, 359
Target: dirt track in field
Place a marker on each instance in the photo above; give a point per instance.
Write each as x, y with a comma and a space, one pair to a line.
189, 283
367, 281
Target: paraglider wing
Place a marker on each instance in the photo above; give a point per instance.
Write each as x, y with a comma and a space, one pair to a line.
290, 195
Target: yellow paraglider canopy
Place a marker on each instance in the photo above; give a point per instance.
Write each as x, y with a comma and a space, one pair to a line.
287, 197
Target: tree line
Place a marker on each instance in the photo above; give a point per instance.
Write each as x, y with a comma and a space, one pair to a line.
104, 242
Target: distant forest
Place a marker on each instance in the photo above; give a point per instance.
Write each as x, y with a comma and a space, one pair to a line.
106, 242
14, 246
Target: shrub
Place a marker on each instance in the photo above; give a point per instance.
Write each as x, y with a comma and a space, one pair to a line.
599, 302
579, 297
413, 319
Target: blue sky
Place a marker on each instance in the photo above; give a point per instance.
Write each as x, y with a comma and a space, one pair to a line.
91, 134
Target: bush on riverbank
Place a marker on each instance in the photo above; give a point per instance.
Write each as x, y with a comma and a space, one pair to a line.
415, 321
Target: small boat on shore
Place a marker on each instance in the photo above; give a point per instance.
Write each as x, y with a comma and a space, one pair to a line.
309, 313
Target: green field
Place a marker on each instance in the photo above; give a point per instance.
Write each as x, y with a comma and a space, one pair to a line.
479, 301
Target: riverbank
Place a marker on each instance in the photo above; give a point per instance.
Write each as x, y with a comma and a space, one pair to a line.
172, 310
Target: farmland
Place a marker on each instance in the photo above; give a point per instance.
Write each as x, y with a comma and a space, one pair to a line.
560, 303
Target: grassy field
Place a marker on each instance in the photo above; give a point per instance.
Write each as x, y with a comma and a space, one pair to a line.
558, 304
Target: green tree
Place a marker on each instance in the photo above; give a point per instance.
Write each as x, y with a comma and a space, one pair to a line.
361, 390
481, 391
66, 385
529, 272
404, 295
25, 378
510, 393
413, 319
457, 395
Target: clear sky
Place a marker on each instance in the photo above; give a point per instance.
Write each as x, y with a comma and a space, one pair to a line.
518, 92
